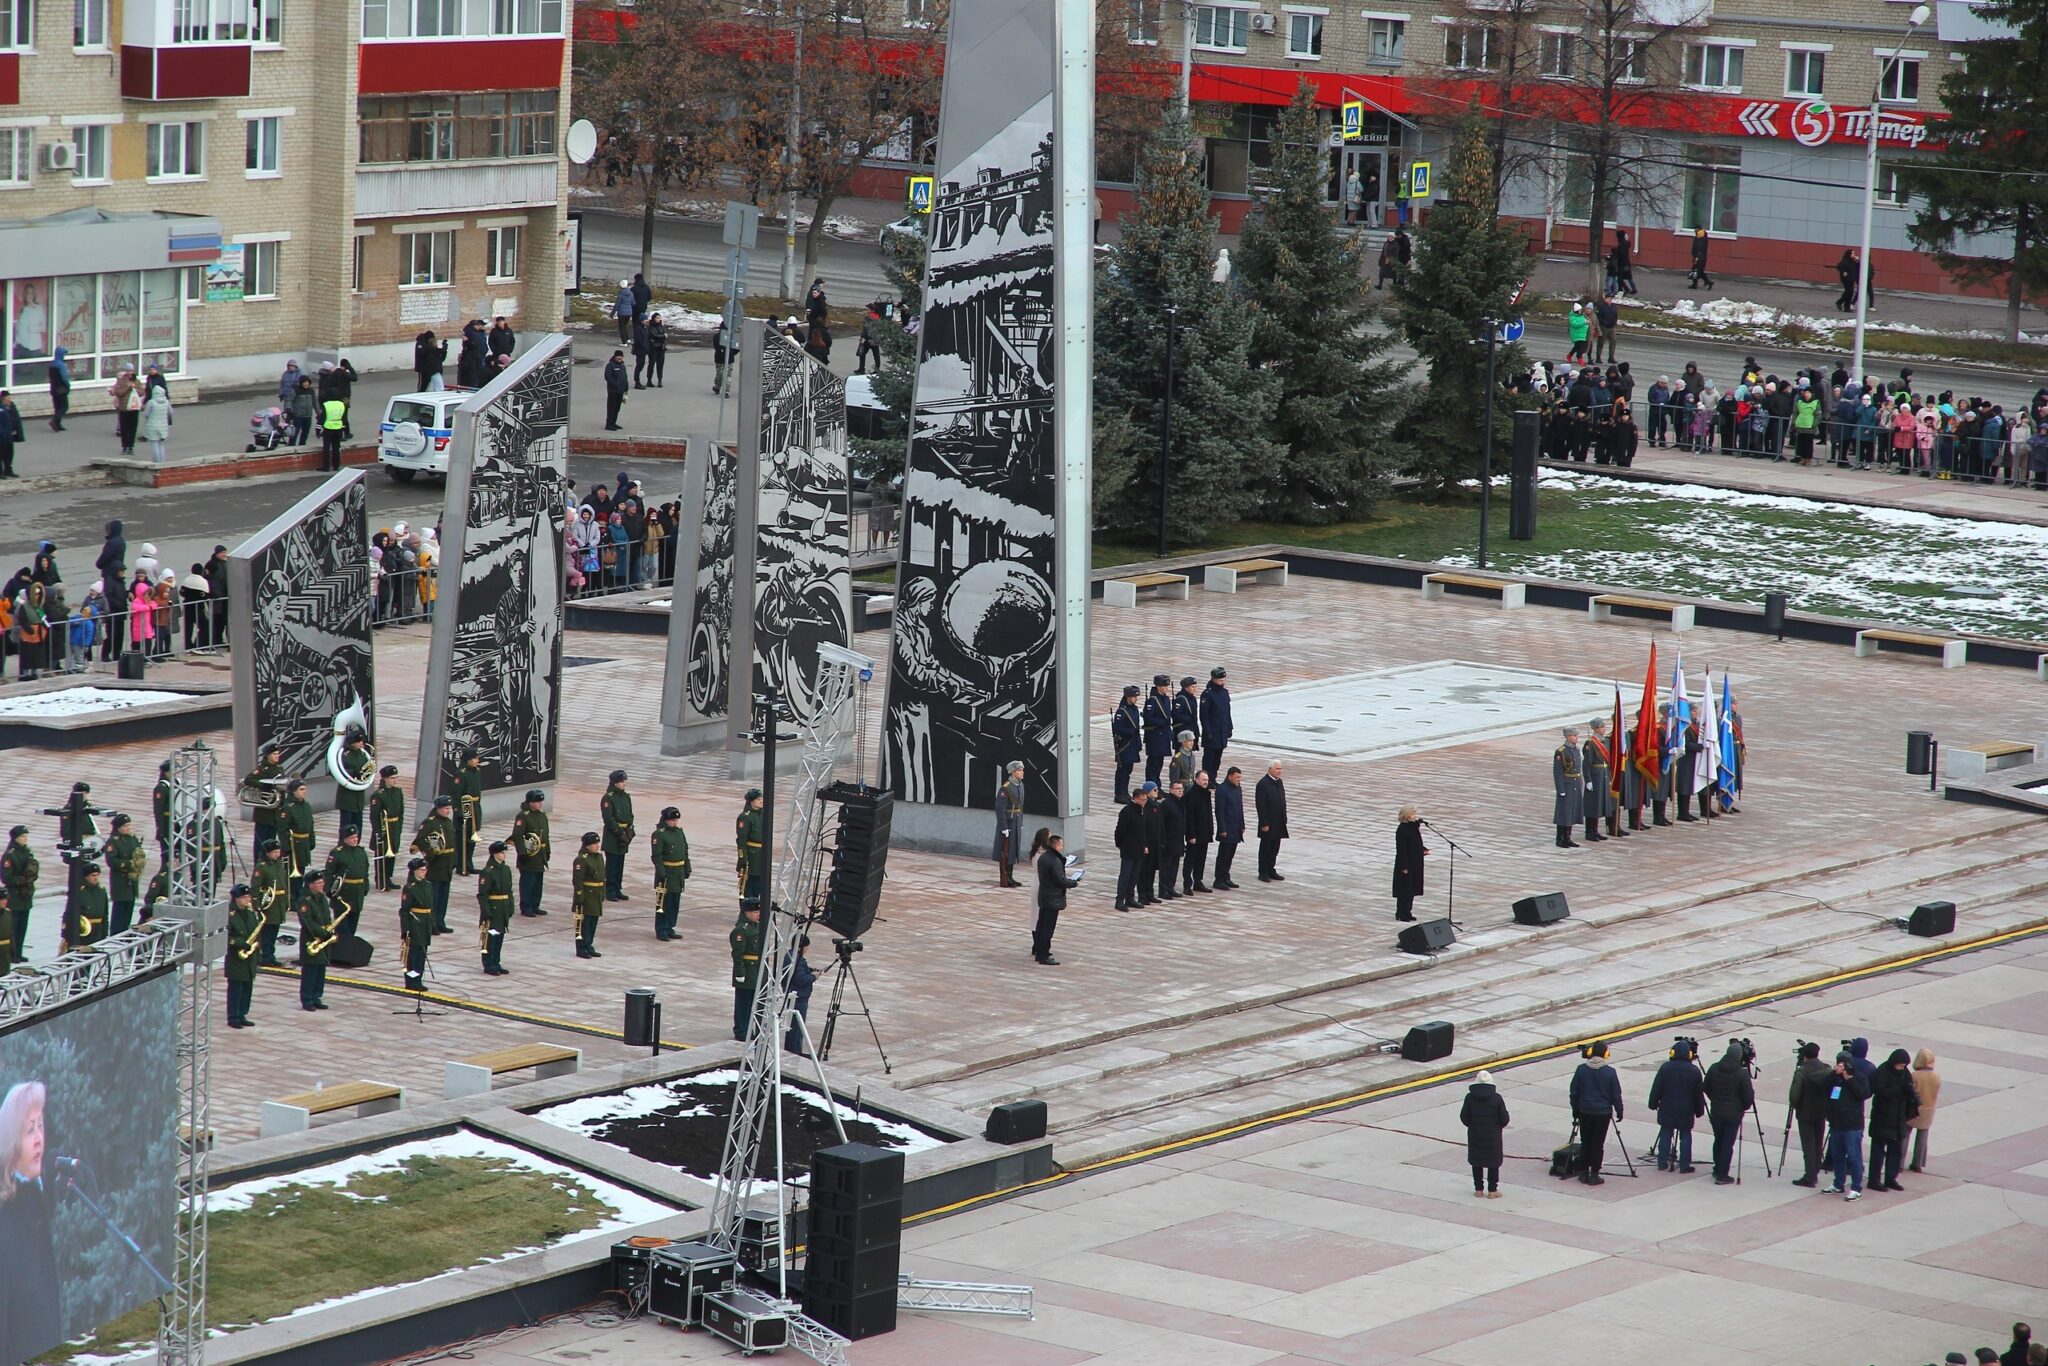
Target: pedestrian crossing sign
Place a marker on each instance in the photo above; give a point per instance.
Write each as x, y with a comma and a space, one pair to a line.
1418, 180
920, 194
1354, 120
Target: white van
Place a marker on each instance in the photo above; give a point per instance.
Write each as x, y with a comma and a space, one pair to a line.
416, 433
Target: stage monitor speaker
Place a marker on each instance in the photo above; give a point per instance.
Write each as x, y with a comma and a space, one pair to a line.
855, 1175
132, 666
1541, 909
1932, 918
860, 854
1020, 1121
1428, 1042
1427, 936
1522, 487
351, 951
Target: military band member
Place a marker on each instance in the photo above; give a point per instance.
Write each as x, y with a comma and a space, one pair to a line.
1187, 713
747, 834
746, 940
127, 860
616, 810
469, 808
159, 890
1126, 740
160, 810
245, 934
1009, 807
86, 912
1567, 778
494, 907
387, 818
435, 841
210, 831
1661, 793
1186, 763
1158, 726
416, 923
588, 880
270, 885
348, 881
356, 764
317, 934
530, 842
670, 848
263, 788
19, 870
8, 956
295, 818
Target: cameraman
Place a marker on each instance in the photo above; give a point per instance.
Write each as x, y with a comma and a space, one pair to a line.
1596, 1101
1808, 1100
1679, 1098
1729, 1096
1846, 1093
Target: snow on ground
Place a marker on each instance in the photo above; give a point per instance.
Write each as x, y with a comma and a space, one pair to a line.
1765, 323
82, 702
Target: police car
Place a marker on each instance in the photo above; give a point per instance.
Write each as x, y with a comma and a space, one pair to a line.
416, 433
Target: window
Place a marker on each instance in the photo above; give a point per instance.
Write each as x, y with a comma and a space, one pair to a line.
1713, 183
261, 159
1630, 65
17, 24
1555, 53
89, 23
403, 128
177, 151
1305, 36
1805, 72
259, 270
1222, 27
1142, 26
17, 157
1890, 193
436, 19
355, 275
1575, 186
501, 259
195, 285
1385, 39
1898, 80
266, 22
526, 17
429, 258
1468, 47
89, 148
1713, 66
376, 17
210, 21
917, 14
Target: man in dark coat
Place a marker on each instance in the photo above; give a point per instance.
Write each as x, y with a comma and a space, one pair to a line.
1846, 1094
1270, 802
1229, 826
1126, 741
1131, 846
1807, 1098
1198, 804
1173, 841
1409, 852
1187, 711
1730, 1093
1567, 778
1053, 882
1155, 831
616, 383
1893, 1102
1484, 1115
1215, 722
1158, 726
1679, 1096
1596, 1101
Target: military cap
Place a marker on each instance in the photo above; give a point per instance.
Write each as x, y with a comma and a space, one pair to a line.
618, 775
670, 813
415, 865
273, 748
270, 846
591, 837
388, 771
239, 889
295, 784
314, 875
17, 830
1132, 690
753, 792
81, 786
1218, 672
443, 799
1186, 679
1162, 681
122, 818
536, 795
499, 846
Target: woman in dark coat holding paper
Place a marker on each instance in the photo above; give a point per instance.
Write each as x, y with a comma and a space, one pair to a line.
1484, 1115
1409, 853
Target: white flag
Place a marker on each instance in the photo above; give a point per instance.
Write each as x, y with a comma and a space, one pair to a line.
1707, 768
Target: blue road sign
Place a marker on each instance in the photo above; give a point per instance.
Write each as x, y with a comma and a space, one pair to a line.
920, 194
1511, 330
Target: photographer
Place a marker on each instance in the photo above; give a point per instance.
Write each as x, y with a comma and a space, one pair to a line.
1679, 1097
1729, 1096
1808, 1101
1845, 1096
1596, 1101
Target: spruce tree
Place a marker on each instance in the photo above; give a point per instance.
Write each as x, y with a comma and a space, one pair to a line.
1467, 266
1314, 331
1222, 404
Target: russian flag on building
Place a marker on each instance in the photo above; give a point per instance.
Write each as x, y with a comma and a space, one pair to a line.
195, 248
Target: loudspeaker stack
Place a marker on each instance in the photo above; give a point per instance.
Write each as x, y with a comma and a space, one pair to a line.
853, 890
855, 1243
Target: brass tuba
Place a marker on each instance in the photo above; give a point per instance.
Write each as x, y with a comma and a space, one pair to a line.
350, 718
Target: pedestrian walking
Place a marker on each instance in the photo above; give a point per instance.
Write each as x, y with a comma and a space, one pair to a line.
11, 434
639, 353
624, 308
1698, 278
60, 388
1485, 1117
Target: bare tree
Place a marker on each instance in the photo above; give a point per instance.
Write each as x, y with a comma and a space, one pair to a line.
1490, 54
1134, 83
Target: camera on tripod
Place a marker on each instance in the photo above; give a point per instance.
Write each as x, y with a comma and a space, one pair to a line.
1685, 1049
1748, 1052
847, 948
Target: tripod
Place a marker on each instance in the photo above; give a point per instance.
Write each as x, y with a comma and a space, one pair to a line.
419, 993
1451, 909
1763, 1146
842, 974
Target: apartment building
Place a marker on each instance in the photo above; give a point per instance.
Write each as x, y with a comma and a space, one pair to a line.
214, 186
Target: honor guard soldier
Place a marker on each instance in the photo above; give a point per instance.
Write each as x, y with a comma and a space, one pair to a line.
159, 890
469, 807
1216, 727
7, 954
753, 856
671, 850
348, 881
86, 912
1662, 792
494, 907
19, 871
1568, 777
127, 860
530, 842
1158, 726
1594, 762
296, 820
316, 937
746, 963
1186, 763
416, 923
356, 764
245, 934
270, 883
1009, 806
160, 810
387, 818
435, 841
616, 810
587, 877
1187, 712
1631, 780
263, 789
1126, 741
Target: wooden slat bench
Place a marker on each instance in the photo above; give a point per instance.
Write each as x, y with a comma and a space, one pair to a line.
472, 1076
1600, 607
1952, 651
1224, 578
1984, 756
1124, 592
291, 1114
1512, 594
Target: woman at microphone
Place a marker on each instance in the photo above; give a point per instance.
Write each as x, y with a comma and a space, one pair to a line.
1409, 853
31, 1305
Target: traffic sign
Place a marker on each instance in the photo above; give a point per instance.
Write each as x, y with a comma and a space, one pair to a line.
1511, 330
920, 198
1354, 120
1418, 180
742, 224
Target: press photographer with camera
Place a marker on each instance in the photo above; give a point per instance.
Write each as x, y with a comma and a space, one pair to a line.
1807, 1101
1679, 1097
1730, 1093
1846, 1093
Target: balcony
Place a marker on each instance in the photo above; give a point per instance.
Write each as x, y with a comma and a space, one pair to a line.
191, 50
459, 187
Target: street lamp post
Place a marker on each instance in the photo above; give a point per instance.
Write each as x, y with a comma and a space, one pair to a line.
1166, 422
1913, 23
1486, 440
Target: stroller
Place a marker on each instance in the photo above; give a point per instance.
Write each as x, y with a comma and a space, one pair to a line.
268, 428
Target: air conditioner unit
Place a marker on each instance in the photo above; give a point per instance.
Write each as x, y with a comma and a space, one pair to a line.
59, 156
1262, 22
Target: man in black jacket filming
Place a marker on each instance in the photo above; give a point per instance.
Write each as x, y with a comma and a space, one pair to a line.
1730, 1092
1596, 1101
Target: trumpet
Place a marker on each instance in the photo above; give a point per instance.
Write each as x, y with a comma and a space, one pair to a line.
350, 718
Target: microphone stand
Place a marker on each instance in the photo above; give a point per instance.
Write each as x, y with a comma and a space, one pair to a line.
71, 1184
1451, 911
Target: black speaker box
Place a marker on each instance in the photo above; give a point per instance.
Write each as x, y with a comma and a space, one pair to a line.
855, 1175
1541, 909
1932, 918
848, 1275
856, 1230
1427, 936
862, 1316
1019, 1121
133, 665
860, 854
351, 951
1428, 1042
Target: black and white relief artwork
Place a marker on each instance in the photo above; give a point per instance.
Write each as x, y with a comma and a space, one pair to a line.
971, 683
711, 588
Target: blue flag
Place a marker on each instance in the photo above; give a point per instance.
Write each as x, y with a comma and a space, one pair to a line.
1729, 786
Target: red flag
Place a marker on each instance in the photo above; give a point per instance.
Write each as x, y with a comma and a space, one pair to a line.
1615, 767
1648, 750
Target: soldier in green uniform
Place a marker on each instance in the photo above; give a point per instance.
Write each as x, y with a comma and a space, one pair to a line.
160, 810
671, 850
245, 932
746, 963
86, 912
19, 870
7, 955
587, 877
210, 832
746, 837
387, 815
262, 787
469, 808
616, 809
126, 860
416, 923
530, 840
316, 937
295, 819
356, 764
348, 880
435, 841
494, 907
270, 884
159, 889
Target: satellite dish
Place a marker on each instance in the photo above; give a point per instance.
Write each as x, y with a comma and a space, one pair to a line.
581, 142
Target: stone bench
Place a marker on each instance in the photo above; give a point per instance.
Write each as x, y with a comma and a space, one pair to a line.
1512, 594
1952, 651
1224, 578
292, 1114
472, 1076
1124, 592
1601, 606
1985, 756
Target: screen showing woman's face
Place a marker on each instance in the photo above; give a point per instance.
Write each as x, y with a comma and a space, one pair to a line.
28, 1158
